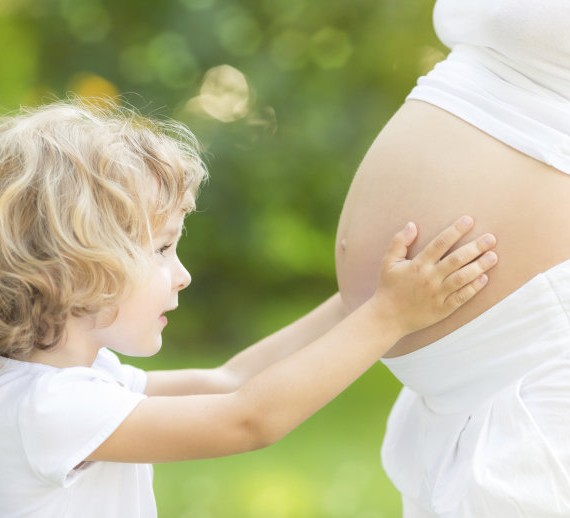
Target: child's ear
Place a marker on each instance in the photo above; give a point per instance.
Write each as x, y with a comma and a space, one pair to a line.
105, 316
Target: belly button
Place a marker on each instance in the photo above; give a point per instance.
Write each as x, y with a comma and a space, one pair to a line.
342, 245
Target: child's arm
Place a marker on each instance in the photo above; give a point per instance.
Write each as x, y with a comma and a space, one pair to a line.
252, 360
411, 294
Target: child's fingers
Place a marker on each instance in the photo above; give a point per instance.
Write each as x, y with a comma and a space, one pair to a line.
441, 244
398, 247
463, 295
470, 273
466, 254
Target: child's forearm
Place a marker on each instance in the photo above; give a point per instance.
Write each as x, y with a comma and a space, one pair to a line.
264, 409
252, 360
411, 294
286, 341
290, 391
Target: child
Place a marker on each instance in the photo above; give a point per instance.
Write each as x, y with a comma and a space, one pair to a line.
92, 203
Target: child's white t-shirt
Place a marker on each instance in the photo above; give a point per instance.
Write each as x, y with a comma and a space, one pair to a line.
51, 419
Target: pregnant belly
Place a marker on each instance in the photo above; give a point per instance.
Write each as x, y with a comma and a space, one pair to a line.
431, 167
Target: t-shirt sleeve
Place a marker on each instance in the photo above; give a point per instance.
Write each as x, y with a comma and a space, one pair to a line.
67, 414
129, 376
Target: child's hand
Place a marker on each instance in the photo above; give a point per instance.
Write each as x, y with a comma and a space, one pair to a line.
421, 291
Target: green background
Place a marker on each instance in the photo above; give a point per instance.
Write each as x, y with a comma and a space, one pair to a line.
285, 96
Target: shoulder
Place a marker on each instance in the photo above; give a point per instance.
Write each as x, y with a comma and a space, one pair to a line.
108, 363
65, 414
30, 385
107, 381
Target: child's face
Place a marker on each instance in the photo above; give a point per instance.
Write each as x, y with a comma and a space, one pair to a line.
137, 329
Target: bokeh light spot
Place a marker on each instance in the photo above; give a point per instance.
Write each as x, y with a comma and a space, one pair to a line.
171, 59
88, 20
92, 86
330, 48
134, 64
224, 95
239, 33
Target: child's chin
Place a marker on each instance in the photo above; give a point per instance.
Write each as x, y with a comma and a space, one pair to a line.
145, 352
151, 351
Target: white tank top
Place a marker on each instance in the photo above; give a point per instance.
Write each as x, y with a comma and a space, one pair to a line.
508, 72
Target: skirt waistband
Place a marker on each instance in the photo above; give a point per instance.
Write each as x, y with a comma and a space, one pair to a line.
524, 330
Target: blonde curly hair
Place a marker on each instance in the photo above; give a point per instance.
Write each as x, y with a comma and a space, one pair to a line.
82, 189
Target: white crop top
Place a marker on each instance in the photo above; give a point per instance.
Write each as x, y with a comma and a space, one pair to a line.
508, 72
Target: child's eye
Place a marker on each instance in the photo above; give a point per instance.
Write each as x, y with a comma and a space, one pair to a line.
163, 249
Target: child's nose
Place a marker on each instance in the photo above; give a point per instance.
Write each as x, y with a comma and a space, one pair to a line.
183, 277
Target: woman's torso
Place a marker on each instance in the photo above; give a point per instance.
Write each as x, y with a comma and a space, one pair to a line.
431, 166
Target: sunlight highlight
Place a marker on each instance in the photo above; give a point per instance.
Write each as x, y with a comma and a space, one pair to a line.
224, 95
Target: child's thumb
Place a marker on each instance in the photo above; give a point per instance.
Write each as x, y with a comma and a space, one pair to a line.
409, 232
398, 249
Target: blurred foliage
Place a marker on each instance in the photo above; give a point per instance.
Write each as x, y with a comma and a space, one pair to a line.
285, 95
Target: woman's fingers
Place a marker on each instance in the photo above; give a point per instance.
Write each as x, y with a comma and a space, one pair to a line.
443, 242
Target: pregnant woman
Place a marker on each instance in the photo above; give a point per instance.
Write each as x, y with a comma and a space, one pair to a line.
482, 426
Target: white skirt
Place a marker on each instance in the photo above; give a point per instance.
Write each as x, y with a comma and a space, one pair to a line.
482, 426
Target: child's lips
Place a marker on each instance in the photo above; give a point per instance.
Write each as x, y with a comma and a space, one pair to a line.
163, 317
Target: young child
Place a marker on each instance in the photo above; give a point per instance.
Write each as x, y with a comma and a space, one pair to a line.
92, 203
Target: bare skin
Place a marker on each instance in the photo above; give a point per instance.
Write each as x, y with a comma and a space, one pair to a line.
427, 165
270, 388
